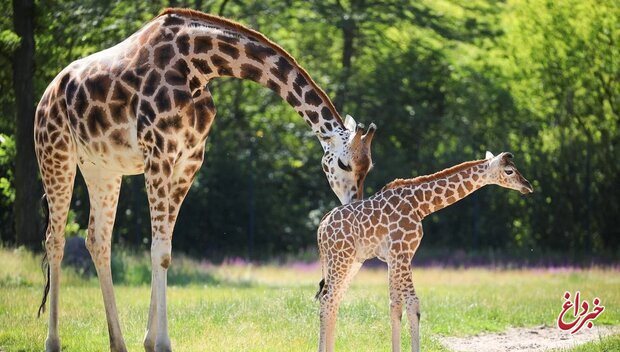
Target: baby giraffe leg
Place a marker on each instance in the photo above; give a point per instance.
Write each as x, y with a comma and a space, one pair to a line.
413, 314
336, 283
330, 301
400, 274
401, 288
396, 308
103, 190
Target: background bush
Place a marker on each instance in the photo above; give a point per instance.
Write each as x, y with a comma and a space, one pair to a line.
444, 81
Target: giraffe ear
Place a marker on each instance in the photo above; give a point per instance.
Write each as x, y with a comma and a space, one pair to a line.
349, 123
488, 155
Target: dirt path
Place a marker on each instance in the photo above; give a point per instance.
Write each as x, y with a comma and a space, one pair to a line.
526, 339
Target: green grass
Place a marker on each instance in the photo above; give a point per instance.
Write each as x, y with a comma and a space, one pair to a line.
269, 308
611, 344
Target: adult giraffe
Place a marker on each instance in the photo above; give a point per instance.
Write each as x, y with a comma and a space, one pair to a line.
142, 106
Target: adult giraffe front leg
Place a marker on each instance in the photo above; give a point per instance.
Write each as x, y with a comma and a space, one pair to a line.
167, 184
103, 190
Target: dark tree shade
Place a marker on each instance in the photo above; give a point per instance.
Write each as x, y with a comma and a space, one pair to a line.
444, 82
27, 186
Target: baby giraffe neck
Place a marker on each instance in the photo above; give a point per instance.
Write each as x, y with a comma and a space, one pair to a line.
435, 192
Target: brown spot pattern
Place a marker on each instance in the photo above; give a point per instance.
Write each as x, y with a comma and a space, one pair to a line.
251, 72
202, 45
282, 69
151, 83
163, 55
258, 52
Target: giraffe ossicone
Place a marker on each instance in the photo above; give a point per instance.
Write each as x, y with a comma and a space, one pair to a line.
388, 226
143, 106
349, 123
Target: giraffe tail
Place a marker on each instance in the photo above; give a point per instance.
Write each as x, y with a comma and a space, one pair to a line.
44, 263
321, 285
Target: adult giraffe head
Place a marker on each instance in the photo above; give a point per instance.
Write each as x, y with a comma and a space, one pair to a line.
347, 159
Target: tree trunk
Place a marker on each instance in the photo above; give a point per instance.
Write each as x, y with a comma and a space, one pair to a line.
27, 186
348, 36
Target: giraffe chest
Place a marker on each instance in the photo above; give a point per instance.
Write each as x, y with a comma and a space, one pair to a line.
382, 249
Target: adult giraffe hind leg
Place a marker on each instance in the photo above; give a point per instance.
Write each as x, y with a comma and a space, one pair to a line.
103, 190
56, 154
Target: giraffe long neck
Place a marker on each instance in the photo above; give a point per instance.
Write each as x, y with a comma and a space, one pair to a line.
213, 47
437, 191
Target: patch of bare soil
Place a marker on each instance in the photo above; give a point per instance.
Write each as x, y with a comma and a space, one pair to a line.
542, 338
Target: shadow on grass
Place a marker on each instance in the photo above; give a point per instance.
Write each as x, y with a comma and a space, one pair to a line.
133, 268
22, 268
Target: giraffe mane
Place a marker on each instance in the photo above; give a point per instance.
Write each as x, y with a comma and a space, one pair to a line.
401, 182
236, 26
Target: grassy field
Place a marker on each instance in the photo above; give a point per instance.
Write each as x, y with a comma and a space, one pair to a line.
269, 308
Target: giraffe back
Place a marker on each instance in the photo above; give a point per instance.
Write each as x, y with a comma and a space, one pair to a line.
371, 227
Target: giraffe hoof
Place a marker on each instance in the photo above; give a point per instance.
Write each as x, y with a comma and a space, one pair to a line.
149, 346
119, 348
52, 344
163, 346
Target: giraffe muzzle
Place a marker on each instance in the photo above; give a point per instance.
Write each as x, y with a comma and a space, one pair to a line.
526, 187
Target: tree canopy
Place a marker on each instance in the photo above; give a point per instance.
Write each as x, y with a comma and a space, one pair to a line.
443, 80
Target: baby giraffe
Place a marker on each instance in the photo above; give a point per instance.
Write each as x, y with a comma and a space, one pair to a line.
388, 226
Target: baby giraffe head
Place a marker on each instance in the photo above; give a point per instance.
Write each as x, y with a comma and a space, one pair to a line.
503, 172
347, 159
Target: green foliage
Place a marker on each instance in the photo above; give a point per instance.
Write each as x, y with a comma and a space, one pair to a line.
7, 190
443, 80
7, 154
73, 228
566, 82
9, 41
132, 268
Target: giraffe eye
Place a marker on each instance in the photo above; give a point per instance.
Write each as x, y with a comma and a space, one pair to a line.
508, 172
343, 166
